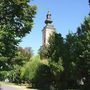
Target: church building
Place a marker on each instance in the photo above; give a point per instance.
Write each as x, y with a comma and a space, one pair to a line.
48, 29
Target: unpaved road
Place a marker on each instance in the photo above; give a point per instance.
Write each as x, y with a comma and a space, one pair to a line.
13, 87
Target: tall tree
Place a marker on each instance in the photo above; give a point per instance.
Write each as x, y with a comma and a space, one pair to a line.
55, 47
54, 50
78, 52
83, 51
68, 79
16, 20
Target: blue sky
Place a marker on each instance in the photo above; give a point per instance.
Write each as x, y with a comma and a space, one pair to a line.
67, 15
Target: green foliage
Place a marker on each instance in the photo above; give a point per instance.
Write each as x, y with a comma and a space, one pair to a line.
23, 56
43, 51
14, 74
56, 69
28, 72
26, 53
54, 50
18, 15
78, 53
43, 78
12, 67
75, 55
3, 75
7, 42
82, 50
16, 20
4, 67
36, 72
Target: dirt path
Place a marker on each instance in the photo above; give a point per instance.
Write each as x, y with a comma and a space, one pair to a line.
5, 86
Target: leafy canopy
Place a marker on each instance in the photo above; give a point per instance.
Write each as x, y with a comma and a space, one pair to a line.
16, 20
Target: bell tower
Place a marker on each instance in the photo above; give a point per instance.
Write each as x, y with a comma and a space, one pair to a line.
48, 29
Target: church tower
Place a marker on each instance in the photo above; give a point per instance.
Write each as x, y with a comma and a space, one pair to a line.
48, 29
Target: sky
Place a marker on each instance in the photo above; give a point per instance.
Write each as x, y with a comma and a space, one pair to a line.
67, 15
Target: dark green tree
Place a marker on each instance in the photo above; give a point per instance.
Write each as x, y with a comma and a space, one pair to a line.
16, 20
77, 57
55, 47
68, 79
43, 51
82, 52
54, 50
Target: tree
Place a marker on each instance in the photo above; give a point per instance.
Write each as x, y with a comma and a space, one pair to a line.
56, 70
26, 53
54, 49
82, 50
69, 58
53, 52
43, 51
16, 20
29, 70
77, 57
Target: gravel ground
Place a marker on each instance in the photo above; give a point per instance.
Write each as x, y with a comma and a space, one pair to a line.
13, 87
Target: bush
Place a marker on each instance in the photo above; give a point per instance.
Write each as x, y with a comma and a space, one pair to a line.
28, 72
38, 73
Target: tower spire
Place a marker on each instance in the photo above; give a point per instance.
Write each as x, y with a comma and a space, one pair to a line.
48, 29
48, 18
